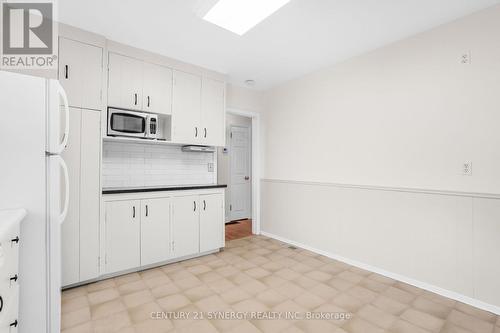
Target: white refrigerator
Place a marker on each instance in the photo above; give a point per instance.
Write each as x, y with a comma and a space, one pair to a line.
34, 119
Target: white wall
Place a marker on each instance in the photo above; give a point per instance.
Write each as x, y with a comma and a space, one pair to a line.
406, 115
398, 119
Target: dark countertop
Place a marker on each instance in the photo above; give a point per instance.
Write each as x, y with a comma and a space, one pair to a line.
120, 190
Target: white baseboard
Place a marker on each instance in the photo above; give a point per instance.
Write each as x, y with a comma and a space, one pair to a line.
437, 290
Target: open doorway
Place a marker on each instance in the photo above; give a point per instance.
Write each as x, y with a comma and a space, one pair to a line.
234, 167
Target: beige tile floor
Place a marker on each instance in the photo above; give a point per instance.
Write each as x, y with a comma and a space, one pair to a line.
261, 275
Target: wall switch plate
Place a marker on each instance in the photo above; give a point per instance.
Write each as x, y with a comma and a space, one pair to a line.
467, 168
465, 58
210, 167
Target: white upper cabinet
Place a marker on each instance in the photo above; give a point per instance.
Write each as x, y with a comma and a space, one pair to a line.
196, 104
212, 112
125, 82
80, 73
157, 89
186, 108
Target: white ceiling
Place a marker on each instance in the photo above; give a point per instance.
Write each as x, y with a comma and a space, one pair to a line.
301, 37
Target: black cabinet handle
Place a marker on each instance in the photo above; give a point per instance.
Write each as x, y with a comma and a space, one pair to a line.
135, 99
133, 212
205, 129
196, 132
1, 303
15, 240
66, 71
14, 324
14, 278
147, 210
204, 205
194, 202
148, 101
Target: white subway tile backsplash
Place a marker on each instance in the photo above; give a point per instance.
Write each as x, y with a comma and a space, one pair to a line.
128, 164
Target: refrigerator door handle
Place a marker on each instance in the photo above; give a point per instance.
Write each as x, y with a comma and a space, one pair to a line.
64, 167
56, 144
64, 97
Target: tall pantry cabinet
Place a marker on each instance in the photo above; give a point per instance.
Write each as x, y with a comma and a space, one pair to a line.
80, 73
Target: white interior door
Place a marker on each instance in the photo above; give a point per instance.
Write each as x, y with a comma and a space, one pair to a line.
155, 230
240, 170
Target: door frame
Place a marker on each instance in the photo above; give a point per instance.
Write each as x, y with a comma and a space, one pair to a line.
255, 165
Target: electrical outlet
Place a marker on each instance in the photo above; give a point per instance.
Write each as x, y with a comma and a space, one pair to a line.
210, 167
467, 168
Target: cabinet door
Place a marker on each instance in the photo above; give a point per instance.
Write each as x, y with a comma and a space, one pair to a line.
125, 82
213, 112
90, 153
122, 244
70, 70
157, 89
70, 229
80, 73
186, 108
185, 226
211, 222
91, 57
155, 230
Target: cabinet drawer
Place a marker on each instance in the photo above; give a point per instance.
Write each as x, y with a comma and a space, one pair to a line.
9, 254
10, 311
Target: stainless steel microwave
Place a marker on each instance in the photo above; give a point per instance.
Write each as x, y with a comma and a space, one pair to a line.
132, 124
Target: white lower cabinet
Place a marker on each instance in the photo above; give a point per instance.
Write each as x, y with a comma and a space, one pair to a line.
141, 231
123, 239
155, 230
211, 229
185, 226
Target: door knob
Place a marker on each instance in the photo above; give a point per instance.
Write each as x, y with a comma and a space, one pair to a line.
247, 178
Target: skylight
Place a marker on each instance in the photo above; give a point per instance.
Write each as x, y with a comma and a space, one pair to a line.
239, 16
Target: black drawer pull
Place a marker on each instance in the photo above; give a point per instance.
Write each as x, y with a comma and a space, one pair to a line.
14, 324
15, 240
14, 278
1, 303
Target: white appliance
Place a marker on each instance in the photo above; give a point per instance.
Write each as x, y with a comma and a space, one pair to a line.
131, 123
34, 129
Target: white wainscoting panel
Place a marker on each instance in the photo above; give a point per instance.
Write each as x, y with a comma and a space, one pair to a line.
446, 243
